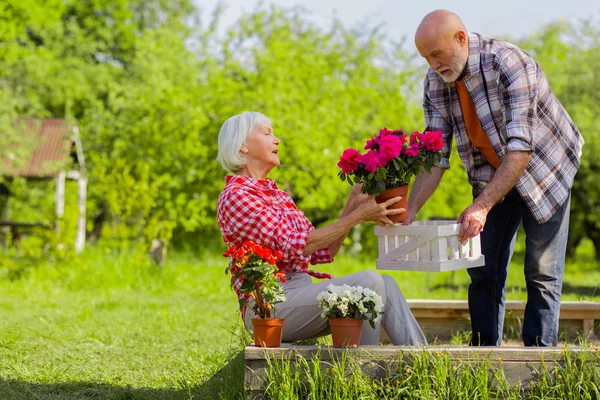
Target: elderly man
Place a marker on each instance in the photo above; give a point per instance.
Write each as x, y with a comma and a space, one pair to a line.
521, 151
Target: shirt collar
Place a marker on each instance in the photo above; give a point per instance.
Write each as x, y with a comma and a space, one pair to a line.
252, 182
474, 55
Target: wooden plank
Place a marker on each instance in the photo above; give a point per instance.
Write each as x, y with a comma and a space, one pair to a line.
588, 327
580, 305
81, 200
429, 266
507, 353
442, 229
424, 252
438, 304
414, 254
464, 250
60, 195
441, 313
405, 248
574, 309
453, 245
381, 243
444, 318
475, 244
401, 230
439, 249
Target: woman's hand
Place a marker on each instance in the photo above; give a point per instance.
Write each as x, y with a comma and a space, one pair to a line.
372, 211
355, 199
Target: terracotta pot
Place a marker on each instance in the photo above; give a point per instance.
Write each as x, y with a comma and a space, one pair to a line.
267, 331
393, 192
345, 332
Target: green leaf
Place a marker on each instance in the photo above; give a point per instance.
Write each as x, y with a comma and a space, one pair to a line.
380, 187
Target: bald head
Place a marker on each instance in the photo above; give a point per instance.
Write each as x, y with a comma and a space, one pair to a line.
439, 25
442, 40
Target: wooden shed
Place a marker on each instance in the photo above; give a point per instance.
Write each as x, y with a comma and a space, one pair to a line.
55, 145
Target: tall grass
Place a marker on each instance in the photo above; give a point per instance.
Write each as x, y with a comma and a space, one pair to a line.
429, 375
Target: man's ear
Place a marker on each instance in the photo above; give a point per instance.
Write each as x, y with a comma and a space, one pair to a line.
461, 38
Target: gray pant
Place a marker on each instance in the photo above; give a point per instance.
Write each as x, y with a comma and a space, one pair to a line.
303, 316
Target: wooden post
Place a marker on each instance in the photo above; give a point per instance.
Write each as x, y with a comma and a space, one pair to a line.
60, 197
81, 200
588, 328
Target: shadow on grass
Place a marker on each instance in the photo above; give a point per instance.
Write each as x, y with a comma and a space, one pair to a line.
581, 290
226, 383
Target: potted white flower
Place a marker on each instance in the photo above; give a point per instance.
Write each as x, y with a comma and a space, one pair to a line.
347, 307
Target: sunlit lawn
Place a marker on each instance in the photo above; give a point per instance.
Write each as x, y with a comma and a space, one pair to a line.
105, 326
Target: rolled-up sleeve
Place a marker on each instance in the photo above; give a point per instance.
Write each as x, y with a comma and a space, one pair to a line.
518, 82
249, 217
434, 121
322, 256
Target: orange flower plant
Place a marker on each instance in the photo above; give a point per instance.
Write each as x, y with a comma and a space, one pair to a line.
255, 277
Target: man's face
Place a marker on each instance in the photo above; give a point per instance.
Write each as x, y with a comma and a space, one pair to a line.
447, 59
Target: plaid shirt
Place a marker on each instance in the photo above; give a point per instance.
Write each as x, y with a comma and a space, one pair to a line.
250, 209
518, 112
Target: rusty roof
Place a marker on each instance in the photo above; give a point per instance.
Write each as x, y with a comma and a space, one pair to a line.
53, 144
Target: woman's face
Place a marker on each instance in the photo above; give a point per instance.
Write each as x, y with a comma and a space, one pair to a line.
262, 148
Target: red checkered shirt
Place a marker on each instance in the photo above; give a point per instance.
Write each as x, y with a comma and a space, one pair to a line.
257, 210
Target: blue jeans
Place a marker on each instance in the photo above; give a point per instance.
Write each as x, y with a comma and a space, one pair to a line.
545, 248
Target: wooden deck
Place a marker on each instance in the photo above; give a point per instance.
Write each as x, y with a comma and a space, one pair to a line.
518, 363
441, 319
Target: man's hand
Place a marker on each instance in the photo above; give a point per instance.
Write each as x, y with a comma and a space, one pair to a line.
411, 214
473, 221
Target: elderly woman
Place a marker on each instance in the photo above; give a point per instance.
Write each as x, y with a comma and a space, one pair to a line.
252, 207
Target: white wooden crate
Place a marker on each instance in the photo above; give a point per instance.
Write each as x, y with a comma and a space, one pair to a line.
426, 246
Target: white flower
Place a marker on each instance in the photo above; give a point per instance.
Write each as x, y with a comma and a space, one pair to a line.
348, 300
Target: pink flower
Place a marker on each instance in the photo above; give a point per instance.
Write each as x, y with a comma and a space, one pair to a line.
433, 140
385, 132
415, 137
412, 150
372, 143
348, 161
390, 147
370, 160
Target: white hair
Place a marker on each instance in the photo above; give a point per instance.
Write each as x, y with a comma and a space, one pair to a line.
233, 135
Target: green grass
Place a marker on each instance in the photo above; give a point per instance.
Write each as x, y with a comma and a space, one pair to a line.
104, 327
428, 375
107, 325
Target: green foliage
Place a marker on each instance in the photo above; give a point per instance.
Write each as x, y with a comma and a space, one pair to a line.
150, 87
149, 108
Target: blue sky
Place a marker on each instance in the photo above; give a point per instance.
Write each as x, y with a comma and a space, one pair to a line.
504, 19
